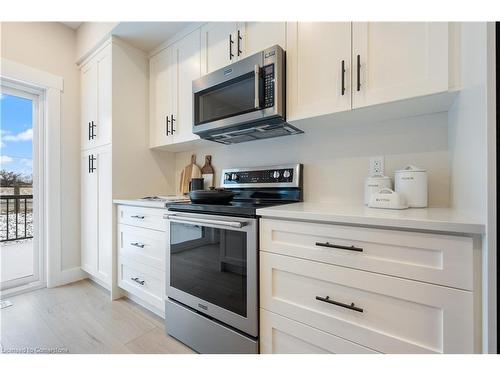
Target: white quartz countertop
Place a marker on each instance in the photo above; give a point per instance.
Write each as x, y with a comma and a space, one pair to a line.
140, 203
428, 219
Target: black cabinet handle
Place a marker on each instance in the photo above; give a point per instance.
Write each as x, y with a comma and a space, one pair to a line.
231, 47
238, 44
166, 125
92, 158
137, 244
358, 68
343, 77
172, 119
341, 247
136, 279
90, 168
93, 126
89, 132
344, 305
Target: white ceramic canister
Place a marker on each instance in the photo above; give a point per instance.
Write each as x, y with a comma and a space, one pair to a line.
411, 182
373, 184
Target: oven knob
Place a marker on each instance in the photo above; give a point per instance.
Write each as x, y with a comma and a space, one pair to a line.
286, 174
227, 177
276, 174
234, 177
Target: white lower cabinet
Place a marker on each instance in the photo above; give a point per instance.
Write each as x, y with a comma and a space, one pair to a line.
280, 335
141, 252
384, 313
97, 222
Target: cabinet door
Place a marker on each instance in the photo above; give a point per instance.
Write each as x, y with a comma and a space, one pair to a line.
105, 210
216, 48
257, 36
160, 91
102, 129
316, 53
89, 213
88, 103
398, 60
187, 67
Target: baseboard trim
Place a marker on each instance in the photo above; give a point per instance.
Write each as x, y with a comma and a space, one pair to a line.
71, 275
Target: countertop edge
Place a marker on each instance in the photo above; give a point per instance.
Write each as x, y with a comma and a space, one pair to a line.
389, 223
138, 203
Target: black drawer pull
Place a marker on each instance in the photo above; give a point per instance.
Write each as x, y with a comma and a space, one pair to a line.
333, 246
137, 244
137, 217
136, 279
358, 71
344, 305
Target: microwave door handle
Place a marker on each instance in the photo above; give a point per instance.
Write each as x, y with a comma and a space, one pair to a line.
196, 221
257, 86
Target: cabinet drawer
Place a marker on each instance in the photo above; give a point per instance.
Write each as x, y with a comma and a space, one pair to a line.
433, 258
280, 335
142, 245
398, 315
142, 281
143, 217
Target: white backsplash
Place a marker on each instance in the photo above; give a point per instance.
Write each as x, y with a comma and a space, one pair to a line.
336, 159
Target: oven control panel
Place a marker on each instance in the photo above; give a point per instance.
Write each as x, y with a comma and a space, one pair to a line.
264, 177
268, 86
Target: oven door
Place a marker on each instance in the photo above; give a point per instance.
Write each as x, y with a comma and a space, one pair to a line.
212, 267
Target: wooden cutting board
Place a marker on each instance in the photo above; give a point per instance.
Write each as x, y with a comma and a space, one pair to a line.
207, 172
189, 172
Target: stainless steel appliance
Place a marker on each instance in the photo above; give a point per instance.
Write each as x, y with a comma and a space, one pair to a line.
212, 261
244, 101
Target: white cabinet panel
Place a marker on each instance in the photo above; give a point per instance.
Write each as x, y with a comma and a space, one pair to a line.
396, 316
187, 67
96, 93
316, 53
89, 214
218, 45
280, 335
142, 245
143, 217
161, 92
398, 60
434, 258
105, 212
257, 36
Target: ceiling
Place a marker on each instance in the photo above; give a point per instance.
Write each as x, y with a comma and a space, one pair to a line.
147, 35
72, 25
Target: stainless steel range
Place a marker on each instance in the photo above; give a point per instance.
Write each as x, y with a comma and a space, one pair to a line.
212, 260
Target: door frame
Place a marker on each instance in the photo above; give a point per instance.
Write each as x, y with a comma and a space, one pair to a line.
38, 279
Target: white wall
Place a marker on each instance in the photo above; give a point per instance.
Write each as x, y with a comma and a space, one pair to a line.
90, 34
50, 46
336, 157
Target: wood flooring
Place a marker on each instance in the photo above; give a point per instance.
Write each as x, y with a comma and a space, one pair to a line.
80, 318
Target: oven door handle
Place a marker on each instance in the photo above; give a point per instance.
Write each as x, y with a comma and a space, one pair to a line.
195, 221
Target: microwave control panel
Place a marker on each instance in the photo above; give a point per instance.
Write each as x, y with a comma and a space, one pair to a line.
268, 85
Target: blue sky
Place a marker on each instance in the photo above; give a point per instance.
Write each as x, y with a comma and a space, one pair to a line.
16, 134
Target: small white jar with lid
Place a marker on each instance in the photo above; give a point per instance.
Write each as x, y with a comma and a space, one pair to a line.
411, 182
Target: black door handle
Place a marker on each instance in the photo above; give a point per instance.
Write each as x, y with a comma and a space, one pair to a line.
238, 44
92, 158
92, 126
341, 247
172, 119
231, 47
89, 132
344, 305
166, 125
90, 168
343, 77
358, 68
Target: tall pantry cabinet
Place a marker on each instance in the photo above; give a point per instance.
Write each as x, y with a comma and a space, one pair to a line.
114, 149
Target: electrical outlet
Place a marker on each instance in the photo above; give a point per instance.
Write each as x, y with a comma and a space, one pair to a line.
376, 166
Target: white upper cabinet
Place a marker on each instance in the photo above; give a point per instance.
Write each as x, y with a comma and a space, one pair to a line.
398, 60
187, 68
219, 45
96, 100
172, 72
257, 36
318, 68
161, 89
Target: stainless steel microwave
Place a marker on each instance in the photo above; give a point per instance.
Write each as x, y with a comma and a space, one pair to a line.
244, 101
